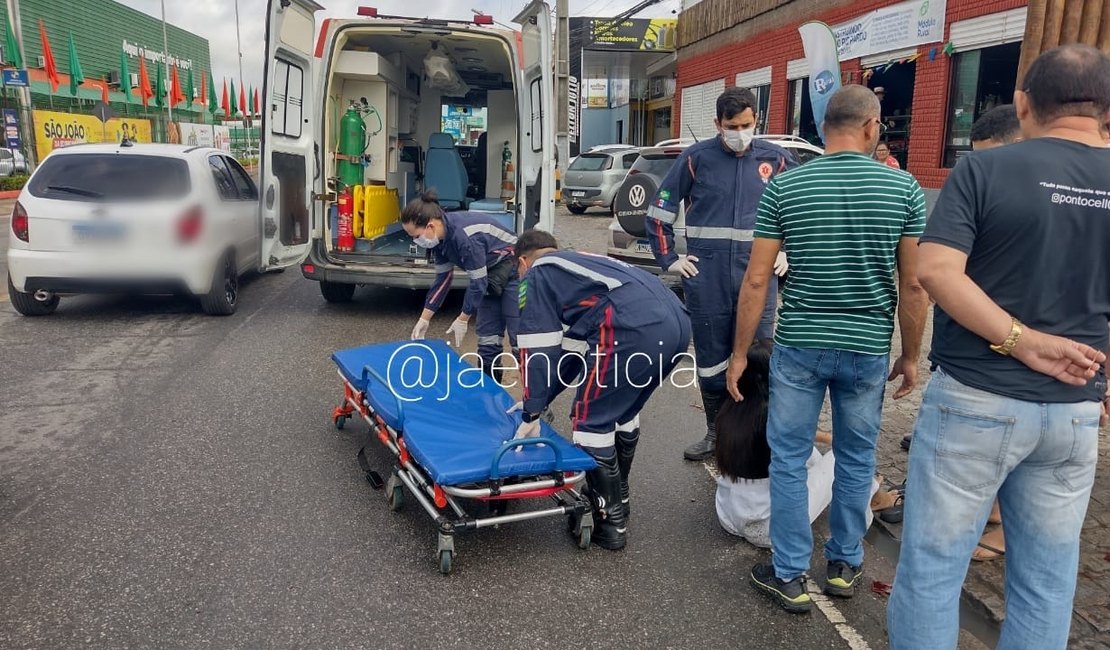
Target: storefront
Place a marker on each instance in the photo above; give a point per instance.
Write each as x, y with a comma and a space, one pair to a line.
940, 64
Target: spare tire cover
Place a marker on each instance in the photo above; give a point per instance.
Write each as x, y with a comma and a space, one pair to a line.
632, 201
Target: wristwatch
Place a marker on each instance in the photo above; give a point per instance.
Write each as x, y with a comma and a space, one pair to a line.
1006, 347
528, 418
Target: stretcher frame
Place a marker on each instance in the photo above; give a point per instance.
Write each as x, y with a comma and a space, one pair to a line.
441, 502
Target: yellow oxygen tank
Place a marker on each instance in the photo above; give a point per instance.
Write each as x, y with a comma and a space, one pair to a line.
358, 218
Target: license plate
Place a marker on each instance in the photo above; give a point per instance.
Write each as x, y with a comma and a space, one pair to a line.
98, 232
578, 194
643, 246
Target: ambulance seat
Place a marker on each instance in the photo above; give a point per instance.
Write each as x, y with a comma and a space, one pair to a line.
445, 173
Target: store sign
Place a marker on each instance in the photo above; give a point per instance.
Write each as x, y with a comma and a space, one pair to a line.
896, 27
654, 34
11, 129
16, 77
572, 108
155, 56
54, 130
597, 93
205, 135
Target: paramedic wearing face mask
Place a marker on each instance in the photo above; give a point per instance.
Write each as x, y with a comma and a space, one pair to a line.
721, 180
484, 250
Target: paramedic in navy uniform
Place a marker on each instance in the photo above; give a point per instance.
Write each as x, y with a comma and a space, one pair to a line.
721, 180
613, 332
484, 250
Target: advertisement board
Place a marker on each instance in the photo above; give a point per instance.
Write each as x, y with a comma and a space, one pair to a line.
896, 27
54, 130
634, 34
205, 135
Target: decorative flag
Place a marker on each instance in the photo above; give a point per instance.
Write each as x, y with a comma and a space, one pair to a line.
104, 91
11, 48
819, 44
145, 93
124, 76
176, 96
160, 89
190, 90
48, 56
213, 98
231, 103
257, 102
242, 98
76, 75
224, 103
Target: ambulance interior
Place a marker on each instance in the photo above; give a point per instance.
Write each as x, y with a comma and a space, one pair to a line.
403, 83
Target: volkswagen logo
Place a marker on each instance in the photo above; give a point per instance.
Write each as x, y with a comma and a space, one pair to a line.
637, 196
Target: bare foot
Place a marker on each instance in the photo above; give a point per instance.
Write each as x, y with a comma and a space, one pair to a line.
996, 514
883, 500
995, 540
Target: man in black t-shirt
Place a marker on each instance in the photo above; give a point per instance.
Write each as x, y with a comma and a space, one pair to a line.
1016, 256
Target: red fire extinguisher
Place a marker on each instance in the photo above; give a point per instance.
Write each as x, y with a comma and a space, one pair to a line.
346, 242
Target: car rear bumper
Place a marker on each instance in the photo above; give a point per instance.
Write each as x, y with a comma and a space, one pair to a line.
75, 272
590, 197
106, 285
394, 276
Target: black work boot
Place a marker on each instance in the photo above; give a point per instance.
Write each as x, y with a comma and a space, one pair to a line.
626, 451
605, 498
703, 449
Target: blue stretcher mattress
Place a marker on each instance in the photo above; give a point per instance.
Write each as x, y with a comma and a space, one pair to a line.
453, 425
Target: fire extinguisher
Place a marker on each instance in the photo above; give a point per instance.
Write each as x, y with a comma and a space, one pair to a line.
346, 240
352, 146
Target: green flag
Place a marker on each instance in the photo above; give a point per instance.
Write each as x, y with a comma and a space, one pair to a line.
11, 49
160, 88
189, 90
124, 76
213, 100
234, 106
76, 76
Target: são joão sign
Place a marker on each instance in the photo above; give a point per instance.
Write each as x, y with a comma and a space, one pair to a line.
896, 27
54, 130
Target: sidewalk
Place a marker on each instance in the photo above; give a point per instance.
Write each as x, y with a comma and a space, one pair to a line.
984, 588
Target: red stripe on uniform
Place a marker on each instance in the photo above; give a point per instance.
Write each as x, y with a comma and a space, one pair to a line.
446, 283
659, 234
605, 347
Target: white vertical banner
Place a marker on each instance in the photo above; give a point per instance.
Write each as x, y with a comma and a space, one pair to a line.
819, 44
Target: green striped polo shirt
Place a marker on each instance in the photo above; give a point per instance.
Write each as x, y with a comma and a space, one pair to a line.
840, 218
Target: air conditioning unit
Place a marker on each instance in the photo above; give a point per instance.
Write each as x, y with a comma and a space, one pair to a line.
196, 93
134, 79
42, 62
113, 78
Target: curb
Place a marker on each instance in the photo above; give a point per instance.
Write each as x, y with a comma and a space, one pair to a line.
10, 194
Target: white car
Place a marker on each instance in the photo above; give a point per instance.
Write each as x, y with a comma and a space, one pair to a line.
133, 218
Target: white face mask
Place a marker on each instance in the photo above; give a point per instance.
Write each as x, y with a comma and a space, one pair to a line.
426, 242
738, 141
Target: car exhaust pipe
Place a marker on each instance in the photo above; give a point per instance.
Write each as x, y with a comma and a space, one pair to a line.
43, 296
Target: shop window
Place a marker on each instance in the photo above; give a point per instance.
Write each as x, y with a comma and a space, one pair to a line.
762, 106
981, 80
799, 112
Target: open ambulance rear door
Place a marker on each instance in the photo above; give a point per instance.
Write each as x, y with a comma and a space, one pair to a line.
289, 165
536, 190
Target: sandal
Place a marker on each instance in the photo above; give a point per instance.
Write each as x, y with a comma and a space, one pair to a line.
992, 553
893, 514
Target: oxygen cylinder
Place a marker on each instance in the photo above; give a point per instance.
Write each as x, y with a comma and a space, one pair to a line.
346, 240
352, 144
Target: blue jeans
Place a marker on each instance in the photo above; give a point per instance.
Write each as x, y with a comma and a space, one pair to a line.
799, 379
968, 446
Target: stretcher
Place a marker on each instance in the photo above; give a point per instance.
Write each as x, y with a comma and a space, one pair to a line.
448, 429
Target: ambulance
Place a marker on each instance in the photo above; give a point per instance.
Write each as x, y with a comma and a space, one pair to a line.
356, 126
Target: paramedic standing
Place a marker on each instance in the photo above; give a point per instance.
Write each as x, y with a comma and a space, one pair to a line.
483, 249
721, 180
613, 332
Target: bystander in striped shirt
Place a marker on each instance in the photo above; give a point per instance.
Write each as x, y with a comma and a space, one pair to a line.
840, 218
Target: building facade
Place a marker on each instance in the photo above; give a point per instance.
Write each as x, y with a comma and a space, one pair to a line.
941, 64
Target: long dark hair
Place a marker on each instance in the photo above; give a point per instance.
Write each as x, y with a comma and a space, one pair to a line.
421, 210
742, 451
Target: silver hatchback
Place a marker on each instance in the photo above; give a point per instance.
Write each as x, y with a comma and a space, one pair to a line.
594, 176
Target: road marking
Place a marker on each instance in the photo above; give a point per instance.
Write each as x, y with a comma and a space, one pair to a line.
833, 615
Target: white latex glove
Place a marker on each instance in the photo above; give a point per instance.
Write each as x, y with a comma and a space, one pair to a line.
458, 328
519, 406
420, 329
685, 266
781, 265
527, 430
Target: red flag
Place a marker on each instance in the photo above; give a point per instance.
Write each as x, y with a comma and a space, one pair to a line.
145, 92
242, 99
225, 103
104, 91
48, 56
176, 96
203, 88
257, 103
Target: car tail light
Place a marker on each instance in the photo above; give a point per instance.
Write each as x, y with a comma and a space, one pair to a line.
189, 225
20, 225
309, 268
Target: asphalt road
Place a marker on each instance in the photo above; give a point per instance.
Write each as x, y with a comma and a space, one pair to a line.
173, 480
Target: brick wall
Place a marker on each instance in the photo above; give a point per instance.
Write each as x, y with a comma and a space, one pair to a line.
772, 39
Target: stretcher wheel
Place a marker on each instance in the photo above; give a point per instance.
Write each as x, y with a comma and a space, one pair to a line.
394, 493
445, 559
584, 535
340, 421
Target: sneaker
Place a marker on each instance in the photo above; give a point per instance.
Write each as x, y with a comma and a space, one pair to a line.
791, 595
841, 578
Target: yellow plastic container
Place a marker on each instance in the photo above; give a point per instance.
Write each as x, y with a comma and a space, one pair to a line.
357, 196
380, 208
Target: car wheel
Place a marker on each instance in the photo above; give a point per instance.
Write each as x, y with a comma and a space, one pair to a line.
28, 305
223, 298
576, 209
336, 292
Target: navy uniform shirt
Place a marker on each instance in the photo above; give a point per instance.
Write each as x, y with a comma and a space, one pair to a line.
473, 242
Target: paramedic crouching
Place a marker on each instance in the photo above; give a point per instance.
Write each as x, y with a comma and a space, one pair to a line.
484, 249
614, 333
